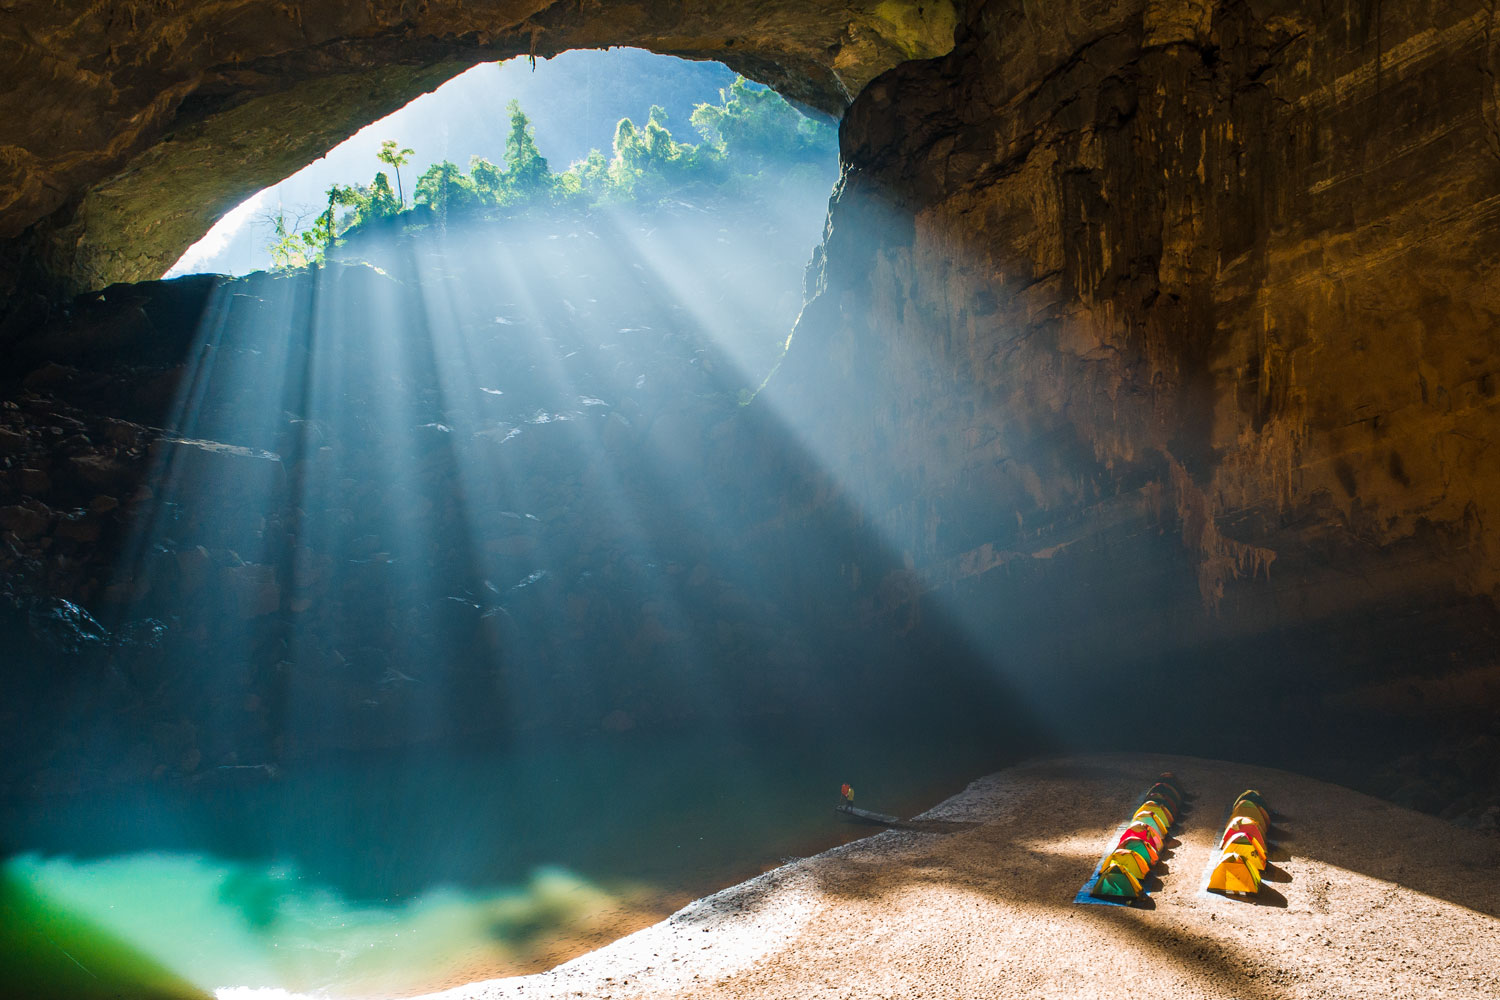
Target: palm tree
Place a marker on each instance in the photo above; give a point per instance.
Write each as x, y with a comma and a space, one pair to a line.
397, 158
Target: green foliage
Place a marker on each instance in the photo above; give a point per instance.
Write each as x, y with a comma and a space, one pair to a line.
292, 247
447, 190
397, 158
526, 172
592, 175
649, 162
489, 181
756, 124
752, 136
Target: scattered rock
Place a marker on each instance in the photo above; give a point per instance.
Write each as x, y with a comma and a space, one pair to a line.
78, 528
26, 522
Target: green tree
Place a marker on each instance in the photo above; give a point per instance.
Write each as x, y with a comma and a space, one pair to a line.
649, 162
625, 170
489, 181
293, 247
380, 201
526, 172
592, 174
755, 124
444, 188
397, 158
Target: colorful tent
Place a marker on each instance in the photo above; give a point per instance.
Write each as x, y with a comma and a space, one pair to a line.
1149, 818
1130, 861
1242, 824
1163, 815
1234, 873
1244, 851
1251, 811
1242, 845
1140, 833
1169, 792
1251, 795
1141, 848
1116, 881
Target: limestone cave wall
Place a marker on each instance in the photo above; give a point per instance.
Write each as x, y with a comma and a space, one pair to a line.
1162, 338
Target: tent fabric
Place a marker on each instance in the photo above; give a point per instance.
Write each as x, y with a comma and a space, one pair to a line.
1251, 811
1119, 876
1240, 824
1140, 848
1244, 849
1233, 874
1131, 862
1150, 820
1116, 881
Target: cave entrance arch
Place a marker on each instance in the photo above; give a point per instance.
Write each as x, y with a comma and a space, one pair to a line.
170, 122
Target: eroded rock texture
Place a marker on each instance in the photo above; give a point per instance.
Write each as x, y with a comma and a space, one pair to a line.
1169, 335
132, 125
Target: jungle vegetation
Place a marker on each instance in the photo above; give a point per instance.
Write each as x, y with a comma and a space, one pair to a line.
750, 139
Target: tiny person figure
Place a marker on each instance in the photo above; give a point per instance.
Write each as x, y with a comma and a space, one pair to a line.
846, 796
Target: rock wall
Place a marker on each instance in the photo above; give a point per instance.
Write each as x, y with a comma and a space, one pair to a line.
1161, 337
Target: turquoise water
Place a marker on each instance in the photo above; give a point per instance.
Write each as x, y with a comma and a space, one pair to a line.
398, 874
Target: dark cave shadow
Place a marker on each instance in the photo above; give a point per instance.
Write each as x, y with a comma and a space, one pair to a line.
1267, 896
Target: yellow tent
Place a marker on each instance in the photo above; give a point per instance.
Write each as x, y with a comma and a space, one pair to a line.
1252, 811
1242, 845
1130, 861
1162, 815
1233, 873
1116, 881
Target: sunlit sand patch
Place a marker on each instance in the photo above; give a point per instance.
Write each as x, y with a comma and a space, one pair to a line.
711, 939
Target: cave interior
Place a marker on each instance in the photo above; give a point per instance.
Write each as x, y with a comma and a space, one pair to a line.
1139, 395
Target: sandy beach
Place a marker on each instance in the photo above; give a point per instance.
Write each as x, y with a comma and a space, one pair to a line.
1364, 899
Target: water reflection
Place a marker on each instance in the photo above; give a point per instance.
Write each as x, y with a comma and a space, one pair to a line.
398, 875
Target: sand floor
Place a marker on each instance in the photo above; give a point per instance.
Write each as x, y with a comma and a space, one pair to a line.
1365, 899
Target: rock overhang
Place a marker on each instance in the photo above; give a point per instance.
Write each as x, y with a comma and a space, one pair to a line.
133, 126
